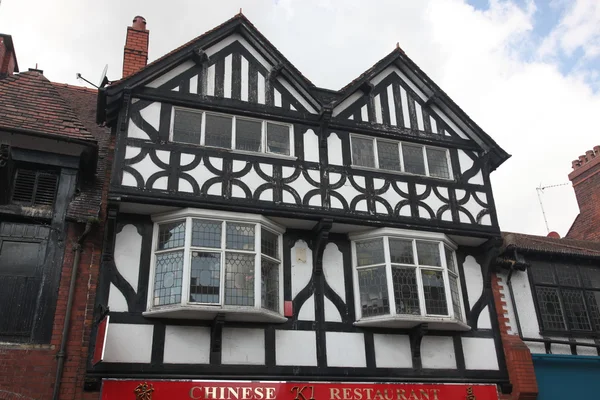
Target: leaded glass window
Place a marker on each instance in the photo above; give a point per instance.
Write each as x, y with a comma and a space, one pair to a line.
568, 296
217, 262
404, 276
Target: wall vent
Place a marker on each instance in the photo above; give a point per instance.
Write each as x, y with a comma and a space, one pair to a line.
34, 188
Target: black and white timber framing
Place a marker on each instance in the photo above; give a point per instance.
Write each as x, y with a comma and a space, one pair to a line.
234, 70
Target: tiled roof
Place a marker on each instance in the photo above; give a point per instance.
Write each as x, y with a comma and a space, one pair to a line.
548, 245
82, 102
30, 101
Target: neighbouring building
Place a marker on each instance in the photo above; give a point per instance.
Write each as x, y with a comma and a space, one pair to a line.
548, 289
53, 161
267, 238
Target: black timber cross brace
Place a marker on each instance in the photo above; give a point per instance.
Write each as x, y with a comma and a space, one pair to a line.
216, 330
320, 235
416, 335
491, 250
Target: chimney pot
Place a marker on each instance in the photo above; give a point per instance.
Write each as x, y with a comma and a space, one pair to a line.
575, 164
139, 23
585, 178
597, 150
582, 159
553, 235
589, 155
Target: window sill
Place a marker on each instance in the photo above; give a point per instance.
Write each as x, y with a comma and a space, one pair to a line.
393, 172
407, 322
204, 312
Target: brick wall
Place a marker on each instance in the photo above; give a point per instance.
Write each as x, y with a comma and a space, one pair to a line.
135, 56
586, 183
518, 357
7, 59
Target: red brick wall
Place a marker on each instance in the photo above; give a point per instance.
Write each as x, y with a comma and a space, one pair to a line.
518, 357
586, 183
7, 59
136, 51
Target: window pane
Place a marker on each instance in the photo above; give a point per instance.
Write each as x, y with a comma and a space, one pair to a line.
278, 139
567, 275
413, 159
455, 297
406, 290
362, 152
577, 316
429, 253
550, 308
593, 300
168, 278
186, 127
248, 134
389, 155
370, 252
205, 277
591, 276
217, 131
449, 253
269, 243
239, 279
240, 236
171, 235
18, 258
401, 251
372, 285
435, 294
270, 285
542, 273
437, 160
206, 233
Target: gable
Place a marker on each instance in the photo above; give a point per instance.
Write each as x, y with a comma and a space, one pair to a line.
394, 100
234, 69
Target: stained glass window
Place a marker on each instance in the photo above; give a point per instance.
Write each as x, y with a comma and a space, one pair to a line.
278, 139
363, 154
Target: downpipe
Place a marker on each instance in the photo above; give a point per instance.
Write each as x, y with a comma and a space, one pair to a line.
63, 344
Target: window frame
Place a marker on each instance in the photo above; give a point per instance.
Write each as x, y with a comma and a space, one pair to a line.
264, 122
389, 233
198, 308
593, 332
399, 143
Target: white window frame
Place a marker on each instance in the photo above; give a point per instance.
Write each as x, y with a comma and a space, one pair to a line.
401, 157
264, 149
188, 309
393, 319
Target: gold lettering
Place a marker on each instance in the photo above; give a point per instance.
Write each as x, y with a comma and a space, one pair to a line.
193, 395
435, 394
210, 393
424, 394
235, 392
346, 392
357, 394
270, 393
388, 395
334, 393
413, 395
246, 391
378, 395
300, 392
259, 393
369, 393
400, 394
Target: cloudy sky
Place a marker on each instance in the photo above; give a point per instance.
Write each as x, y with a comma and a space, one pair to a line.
528, 72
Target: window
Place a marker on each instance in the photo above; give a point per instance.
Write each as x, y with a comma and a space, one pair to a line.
402, 276
568, 297
232, 132
400, 157
33, 187
226, 262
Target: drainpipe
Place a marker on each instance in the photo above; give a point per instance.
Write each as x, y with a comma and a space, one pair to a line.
63, 344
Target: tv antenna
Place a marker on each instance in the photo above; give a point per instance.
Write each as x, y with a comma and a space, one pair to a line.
103, 79
540, 189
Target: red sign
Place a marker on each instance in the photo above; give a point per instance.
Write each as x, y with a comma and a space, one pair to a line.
100, 341
253, 390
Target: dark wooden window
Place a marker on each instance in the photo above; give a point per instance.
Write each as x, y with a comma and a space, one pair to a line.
22, 258
567, 297
34, 187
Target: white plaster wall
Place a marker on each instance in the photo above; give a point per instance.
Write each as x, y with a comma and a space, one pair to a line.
296, 348
151, 114
128, 251
392, 351
331, 312
438, 352
480, 353
187, 344
333, 269
345, 349
164, 78
334, 149
129, 343
302, 265
311, 146
134, 132
243, 346
473, 279
116, 300
307, 310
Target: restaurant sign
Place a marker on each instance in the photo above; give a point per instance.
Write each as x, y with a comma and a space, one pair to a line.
268, 390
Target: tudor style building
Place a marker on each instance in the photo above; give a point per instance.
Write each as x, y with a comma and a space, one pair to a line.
261, 228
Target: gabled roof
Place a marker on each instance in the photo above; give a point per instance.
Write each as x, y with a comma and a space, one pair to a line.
30, 102
550, 245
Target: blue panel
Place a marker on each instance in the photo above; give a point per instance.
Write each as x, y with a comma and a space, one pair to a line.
567, 377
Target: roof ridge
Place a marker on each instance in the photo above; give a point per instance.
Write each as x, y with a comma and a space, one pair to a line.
76, 87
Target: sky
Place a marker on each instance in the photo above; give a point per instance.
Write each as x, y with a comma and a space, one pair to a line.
527, 71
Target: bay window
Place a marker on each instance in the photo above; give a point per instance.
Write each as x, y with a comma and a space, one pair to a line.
215, 262
404, 278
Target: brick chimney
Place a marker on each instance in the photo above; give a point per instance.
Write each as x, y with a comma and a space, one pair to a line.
135, 56
586, 183
8, 57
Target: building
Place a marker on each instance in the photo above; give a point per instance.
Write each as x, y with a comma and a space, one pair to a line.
549, 291
263, 229
53, 161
